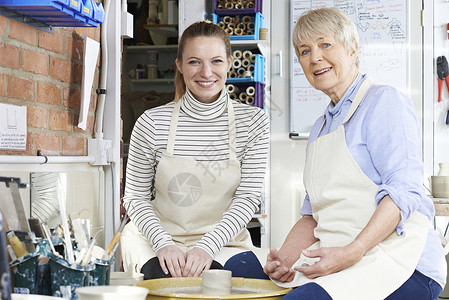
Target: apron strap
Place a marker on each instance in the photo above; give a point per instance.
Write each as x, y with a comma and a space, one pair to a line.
231, 126
173, 126
232, 131
358, 98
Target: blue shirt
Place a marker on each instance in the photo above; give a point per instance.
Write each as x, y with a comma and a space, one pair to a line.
384, 138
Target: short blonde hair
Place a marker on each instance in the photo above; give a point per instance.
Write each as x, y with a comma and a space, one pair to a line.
313, 23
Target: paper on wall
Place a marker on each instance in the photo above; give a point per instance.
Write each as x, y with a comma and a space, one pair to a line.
91, 50
13, 127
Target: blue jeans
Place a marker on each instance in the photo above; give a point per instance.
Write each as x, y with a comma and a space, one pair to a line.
417, 287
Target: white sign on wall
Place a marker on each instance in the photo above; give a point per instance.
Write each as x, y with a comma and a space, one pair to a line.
13, 127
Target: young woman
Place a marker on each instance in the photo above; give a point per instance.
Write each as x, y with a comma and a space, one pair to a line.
196, 167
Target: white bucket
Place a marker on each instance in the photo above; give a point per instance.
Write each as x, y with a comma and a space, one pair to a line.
107, 292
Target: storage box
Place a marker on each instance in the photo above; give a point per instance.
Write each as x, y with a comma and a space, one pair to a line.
58, 13
241, 11
259, 91
257, 19
258, 74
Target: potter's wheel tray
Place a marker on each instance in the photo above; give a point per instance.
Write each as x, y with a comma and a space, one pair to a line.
181, 288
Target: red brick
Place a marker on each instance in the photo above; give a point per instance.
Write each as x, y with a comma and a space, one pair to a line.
2, 85
49, 93
22, 32
75, 48
72, 145
72, 98
60, 69
35, 62
49, 144
20, 88
37, 117
9, 56
77, 73
51, 41
60, 120
89, 125
2, 24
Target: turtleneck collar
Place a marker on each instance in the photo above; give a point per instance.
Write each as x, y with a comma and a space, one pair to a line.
204, 111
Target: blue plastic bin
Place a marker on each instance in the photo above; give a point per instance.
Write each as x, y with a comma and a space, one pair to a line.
256, 18
258, 74
59, 13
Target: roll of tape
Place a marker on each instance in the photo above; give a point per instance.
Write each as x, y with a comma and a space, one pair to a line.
237, 54
247, 74
246, 20
253, 58
243, 96
233, 96
236, 63
249, 100
233, 74
229, 31
240, 71
247, 54
238, 31
246, 62
232, 89
250, 91
241, 26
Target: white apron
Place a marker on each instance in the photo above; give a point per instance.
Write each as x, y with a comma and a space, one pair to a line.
342, 199
191, 198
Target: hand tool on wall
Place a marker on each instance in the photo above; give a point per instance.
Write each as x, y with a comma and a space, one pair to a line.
443, 74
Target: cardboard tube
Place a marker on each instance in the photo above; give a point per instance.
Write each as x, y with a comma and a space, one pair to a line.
251, 91
236, 63
245, 63
246, 20
247, 54
243, 96
240, 71
250, 100
237, 54
233, 96
232, 74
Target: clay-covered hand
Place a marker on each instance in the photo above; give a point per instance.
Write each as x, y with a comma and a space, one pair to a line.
332, 260
197, 260
277, 267
172, 260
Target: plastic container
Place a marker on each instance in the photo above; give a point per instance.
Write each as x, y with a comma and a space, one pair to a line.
102, 273
257, 19
258, 74
259, 93
241, 11
67, 13
24, 273
66, 278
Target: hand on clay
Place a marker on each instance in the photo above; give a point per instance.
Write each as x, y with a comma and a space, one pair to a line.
172, 260
197, 260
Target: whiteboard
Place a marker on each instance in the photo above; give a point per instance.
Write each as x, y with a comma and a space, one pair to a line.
383, 53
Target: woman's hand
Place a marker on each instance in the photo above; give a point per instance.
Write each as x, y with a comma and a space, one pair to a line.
197, 260
172, 260
331, 260
278, 268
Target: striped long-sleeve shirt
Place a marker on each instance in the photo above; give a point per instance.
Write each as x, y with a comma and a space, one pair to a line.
202, 134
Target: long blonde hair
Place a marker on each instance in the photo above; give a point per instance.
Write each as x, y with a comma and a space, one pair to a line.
198, 29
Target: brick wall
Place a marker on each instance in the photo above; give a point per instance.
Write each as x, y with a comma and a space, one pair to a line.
43, 71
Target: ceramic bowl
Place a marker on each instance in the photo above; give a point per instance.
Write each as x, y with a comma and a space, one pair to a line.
108, 292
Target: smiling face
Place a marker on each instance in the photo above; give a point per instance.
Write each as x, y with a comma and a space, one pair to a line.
204, 67
328, 65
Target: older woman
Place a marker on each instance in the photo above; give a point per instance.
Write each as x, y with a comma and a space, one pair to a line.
365, 231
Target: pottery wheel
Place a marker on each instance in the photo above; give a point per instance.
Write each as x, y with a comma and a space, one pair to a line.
172, 288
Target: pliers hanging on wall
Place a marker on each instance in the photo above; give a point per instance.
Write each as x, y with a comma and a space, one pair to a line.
443, 74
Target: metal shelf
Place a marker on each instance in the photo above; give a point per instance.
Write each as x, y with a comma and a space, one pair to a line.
24, 19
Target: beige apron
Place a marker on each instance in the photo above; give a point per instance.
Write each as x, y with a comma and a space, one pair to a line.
342, 199
191, 198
